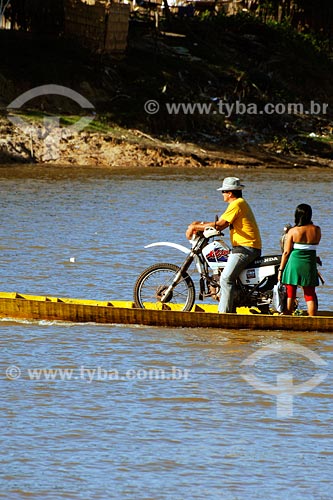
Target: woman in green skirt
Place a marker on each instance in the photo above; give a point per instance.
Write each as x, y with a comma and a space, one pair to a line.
299, 260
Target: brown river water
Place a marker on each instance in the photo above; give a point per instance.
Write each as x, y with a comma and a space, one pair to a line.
116, 412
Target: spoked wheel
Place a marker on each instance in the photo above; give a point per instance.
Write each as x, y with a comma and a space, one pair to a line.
152, 285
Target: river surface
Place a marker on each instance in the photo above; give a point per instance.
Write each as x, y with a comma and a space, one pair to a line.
116, 412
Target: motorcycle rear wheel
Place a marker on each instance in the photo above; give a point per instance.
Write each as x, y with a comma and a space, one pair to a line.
151, 283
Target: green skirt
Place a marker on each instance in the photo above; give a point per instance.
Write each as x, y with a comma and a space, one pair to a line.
301, 268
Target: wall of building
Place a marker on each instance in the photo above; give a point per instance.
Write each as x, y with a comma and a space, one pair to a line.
99, 25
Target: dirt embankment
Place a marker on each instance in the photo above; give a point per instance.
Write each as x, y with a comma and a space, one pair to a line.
130, 148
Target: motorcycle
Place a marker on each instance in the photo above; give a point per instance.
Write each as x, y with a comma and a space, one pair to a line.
165, 283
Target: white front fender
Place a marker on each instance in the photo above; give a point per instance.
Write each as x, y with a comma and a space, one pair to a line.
169, 244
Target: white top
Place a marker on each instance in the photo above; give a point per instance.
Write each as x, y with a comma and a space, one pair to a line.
305, 246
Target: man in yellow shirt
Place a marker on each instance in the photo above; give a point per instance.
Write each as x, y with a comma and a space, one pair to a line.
244, 236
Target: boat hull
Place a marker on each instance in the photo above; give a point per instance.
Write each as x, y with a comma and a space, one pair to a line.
29, 307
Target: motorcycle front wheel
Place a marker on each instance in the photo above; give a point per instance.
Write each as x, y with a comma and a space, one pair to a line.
153, 283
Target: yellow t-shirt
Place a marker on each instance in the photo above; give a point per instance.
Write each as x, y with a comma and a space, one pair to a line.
244, 230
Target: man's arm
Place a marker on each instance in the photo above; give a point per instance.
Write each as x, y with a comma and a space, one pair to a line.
201, 226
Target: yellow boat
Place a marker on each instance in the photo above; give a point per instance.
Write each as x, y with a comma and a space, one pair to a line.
32, 307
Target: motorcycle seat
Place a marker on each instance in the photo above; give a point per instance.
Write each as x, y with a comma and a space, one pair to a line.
265, 260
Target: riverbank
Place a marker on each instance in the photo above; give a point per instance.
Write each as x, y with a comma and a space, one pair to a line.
132, 147
229, 61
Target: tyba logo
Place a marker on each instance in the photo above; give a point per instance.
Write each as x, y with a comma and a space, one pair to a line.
284, 390
50, 132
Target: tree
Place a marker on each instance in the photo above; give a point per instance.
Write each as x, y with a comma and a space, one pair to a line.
316, 16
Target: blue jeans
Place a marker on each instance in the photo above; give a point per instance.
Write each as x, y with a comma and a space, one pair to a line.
235, 265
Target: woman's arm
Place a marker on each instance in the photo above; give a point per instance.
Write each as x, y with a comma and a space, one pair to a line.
288, 246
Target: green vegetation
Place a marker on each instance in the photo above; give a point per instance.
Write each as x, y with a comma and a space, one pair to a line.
99, 124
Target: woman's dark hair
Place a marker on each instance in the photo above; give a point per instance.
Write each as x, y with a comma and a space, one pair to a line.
237, 194
303, 214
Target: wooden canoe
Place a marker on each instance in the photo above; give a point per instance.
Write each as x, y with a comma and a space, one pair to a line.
31, 307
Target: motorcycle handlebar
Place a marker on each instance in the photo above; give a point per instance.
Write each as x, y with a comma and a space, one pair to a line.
209, 232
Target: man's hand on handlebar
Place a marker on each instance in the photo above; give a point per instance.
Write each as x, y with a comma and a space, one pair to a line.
198, 226
192, 229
